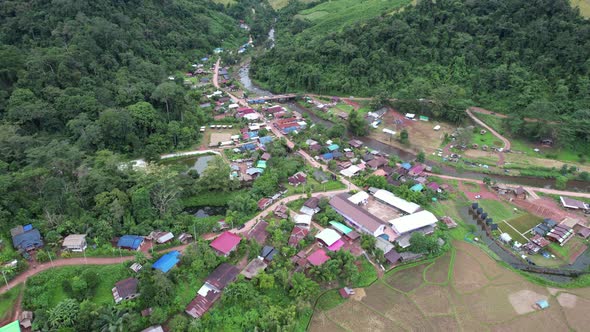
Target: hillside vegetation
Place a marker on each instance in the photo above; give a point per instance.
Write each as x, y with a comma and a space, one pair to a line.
526, 58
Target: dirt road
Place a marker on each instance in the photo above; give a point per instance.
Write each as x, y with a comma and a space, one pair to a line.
490, 129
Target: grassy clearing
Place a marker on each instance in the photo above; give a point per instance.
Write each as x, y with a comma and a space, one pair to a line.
584, 6
525, 222
368, 275
331, 16
8, 299
328, 300
497, 210
472, 187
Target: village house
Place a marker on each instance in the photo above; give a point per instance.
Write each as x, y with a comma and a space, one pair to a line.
377, 162
389, 198
125, 290
211, 290
318, 257
130, 242
160, 237
281, 211
26, 238
424, 221
297, 179
258, 232
417, 170
75, 242
253, 268
167, 262
297, 235
573, 204
225, 243
263, 203
311, 206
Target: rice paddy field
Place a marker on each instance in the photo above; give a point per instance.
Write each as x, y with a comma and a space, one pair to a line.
462, 290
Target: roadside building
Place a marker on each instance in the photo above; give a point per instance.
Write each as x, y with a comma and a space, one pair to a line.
574, 204
253, 268
303, 220
263, 203
125, 289
225, 243
167, 262
75, 242
389, 198
281, 211
318, 258
297, 179
130, 242
311, 206
258, 232
26, 238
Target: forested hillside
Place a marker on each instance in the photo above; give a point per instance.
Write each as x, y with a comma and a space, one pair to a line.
526, 58
83, 82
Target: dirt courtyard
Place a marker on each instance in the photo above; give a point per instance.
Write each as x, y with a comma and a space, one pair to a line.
220, 135
479, 295
381, 211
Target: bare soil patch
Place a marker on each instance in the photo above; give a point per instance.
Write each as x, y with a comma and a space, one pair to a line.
444, 323
524, 300
575, 310
321, 323
395, 306
408, 279
567, 300
359, 294
355, 316
550, 319
491, 304
439, 271
433, 300
468, 274
220, 135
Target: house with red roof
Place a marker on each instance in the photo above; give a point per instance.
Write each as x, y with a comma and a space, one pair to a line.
318, 258
263, 203
298, 234
210, 292
417, 170
225, 243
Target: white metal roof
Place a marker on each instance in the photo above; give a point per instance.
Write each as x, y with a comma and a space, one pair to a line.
359, 197
396, 202
328, 236
410, 115
350, 171
388, 131
302, 219
413, 222
165, 237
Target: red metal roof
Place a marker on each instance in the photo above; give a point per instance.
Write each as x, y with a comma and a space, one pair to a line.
318, 258
226, 242
297, 235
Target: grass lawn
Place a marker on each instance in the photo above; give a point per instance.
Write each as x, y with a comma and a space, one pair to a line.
8, 299
497, 210
584, 6
525, 222
316, 186
296, 204
505, 228
486, 139
367, 273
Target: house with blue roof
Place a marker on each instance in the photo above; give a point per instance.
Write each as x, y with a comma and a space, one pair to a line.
253, 134
265, 139
130, 242
406, 166
290, 129
333, 147
248, 147
328, 156
167, 262
418, 187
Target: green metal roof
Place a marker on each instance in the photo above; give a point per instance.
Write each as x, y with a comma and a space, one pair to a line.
12, 327
342, 228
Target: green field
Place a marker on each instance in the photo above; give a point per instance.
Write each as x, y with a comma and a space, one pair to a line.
497, 210
332, 16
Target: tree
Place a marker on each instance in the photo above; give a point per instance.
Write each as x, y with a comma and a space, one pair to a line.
404, 137
560, 182
420, 157
64, 314
172, 96
357, 125
487, 181
420, 243
112, 319
303, 287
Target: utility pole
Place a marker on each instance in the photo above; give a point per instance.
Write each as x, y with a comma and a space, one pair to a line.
51, 260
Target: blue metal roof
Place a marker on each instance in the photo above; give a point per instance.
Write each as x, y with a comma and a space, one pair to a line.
417, 187
26, 240
327, 156
543, 304
130, 241
167, 262
406, 166
265, 139
28, 227
249, 146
